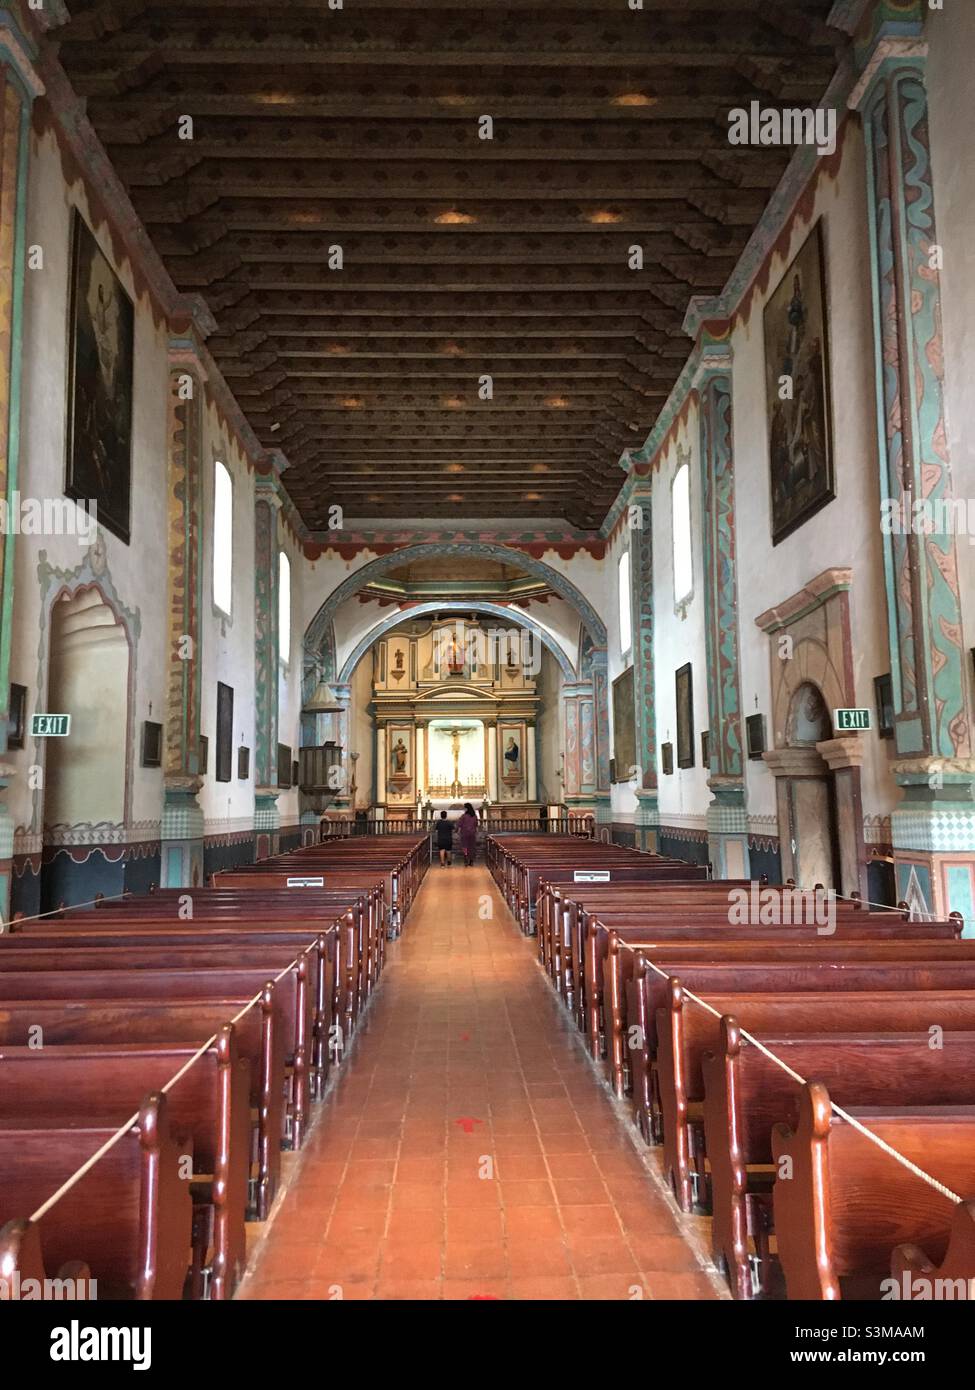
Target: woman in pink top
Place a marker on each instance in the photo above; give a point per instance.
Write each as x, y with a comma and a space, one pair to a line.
467, 825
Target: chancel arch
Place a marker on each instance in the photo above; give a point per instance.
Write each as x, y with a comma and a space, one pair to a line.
449, 703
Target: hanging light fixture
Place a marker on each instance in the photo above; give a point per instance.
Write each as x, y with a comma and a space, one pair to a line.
323, 701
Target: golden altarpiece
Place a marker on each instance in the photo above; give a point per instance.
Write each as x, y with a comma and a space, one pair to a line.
455, 706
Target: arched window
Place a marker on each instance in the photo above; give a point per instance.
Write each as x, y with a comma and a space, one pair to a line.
680, 495
625, 601
284, 608
223, 538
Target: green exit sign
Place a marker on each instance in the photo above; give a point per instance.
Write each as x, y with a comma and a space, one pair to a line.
50, 725
851, 720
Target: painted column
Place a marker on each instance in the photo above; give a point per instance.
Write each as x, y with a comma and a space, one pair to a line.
531, 764
933, 828
19, 85
578, 741
600, 694
266, 816
647, 815
182, 818
727, 814
492, 763
381, 765
420, 762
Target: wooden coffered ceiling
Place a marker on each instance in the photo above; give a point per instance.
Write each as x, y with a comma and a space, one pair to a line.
461, 257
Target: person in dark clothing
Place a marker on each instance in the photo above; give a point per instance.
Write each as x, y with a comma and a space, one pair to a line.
467, 826
445, 838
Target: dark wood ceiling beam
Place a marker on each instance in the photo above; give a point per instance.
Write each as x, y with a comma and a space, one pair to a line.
354, 213
282, 38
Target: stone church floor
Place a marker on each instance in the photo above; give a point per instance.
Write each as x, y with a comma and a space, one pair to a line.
467, 1149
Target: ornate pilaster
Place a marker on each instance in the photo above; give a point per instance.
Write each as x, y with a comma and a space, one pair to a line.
641, 584
934, 828
266, 818
727, 815
182, 827
19, 85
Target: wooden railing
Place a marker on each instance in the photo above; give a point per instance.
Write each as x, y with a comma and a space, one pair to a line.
583, 826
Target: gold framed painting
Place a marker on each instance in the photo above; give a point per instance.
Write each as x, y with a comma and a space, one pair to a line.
797, 376
624, 726
101, 353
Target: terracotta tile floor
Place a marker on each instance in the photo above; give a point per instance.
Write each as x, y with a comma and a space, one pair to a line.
467, 1150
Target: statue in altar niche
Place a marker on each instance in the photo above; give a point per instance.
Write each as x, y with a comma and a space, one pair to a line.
512, 761
399, 756
455, 656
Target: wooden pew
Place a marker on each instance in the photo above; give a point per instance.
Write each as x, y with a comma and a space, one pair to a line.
259, 1036
292, 991
848, 1205
210, 1102
683, 1034
636, 1020
746, 1093
346, 984
128, 1220
611, 955
685, 1030
917, 1276
152, 954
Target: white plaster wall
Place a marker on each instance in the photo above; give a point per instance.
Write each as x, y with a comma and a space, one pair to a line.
623, 799
228, 643
138, 570
361, 724
549, 725
847, 531
683, 797
289, 675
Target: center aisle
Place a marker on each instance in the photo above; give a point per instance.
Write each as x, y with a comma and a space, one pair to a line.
467, 1150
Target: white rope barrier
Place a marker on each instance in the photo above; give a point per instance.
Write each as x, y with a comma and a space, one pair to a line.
59, 911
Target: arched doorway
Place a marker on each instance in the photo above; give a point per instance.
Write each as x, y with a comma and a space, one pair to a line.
85, 774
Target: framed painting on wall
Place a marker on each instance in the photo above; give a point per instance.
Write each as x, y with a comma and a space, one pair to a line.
797, 375
624, 726
284, 765
101, 327
883, 687
17, 719
151, 743
243, 763
667, 758
685, 716
225, 732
